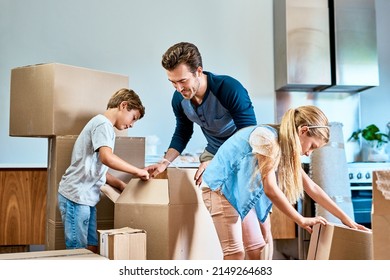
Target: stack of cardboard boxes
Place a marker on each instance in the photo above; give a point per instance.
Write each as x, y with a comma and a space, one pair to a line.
55, 101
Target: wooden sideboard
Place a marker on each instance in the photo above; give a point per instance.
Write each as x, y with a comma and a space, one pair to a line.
23, 211
282, 227
22, 206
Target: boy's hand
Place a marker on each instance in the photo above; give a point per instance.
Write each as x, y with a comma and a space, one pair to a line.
143, 174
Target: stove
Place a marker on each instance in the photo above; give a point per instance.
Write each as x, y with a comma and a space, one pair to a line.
360, 179
360, 173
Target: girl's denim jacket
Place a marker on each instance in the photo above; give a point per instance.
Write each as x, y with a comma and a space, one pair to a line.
234, 171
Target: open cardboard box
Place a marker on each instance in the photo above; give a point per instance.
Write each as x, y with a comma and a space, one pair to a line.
338, 242
171, 210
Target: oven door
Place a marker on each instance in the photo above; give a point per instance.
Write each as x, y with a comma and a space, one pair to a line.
361, 195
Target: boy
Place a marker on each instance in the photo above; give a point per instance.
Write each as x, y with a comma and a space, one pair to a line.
92, 156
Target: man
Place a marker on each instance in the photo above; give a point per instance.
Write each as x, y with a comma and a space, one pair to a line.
219, 104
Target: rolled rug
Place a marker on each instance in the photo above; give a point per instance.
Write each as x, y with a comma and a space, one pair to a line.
329, 170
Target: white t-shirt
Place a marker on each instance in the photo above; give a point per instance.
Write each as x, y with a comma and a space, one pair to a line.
86, 174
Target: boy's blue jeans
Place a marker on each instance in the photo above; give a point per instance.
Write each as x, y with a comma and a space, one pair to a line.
79, 222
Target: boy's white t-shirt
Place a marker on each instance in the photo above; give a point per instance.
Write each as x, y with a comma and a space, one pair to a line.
86, 174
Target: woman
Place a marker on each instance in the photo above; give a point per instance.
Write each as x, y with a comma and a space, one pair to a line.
260, 166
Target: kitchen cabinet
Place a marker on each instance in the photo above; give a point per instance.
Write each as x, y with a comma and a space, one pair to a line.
22, 206
282, 227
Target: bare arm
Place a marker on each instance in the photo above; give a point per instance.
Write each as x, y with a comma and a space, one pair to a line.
115, 182
158, 168
108, 158
321, 197
280, 201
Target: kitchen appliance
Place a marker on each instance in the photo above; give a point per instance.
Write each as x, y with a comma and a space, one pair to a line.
360, 179
325, 45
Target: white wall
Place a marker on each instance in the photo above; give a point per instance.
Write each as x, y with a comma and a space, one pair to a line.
375, 102
129, 37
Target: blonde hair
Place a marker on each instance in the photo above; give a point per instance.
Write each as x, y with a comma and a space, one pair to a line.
289, 169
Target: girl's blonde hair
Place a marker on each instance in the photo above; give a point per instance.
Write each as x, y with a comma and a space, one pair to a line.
289, 169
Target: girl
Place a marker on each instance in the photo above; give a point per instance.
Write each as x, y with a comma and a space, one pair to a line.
259, 166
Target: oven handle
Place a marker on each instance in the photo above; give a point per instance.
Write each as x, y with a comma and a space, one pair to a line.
361, 186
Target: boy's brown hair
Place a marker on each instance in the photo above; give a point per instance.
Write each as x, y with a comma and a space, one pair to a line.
132, 99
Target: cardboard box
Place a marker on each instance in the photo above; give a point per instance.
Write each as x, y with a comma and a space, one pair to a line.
123, 244
380, 216
172, 212
57, 99
74, 254
131, 149
338, 242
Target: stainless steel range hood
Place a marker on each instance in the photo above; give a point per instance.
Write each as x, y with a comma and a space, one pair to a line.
325, 45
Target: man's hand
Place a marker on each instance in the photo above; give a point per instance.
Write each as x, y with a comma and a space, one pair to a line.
156, 169
198, 175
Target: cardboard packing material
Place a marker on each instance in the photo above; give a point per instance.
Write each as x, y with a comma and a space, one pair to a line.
123, 244
172, 212
74, 254
338, 242
380, 216
54, 99
131, 149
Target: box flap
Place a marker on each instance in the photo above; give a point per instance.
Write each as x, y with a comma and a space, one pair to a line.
313, 245
111, 192
182, 188
154, 191
124, 230
132, 150
174, 186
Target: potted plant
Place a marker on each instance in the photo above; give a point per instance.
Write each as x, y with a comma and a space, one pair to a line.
376, 141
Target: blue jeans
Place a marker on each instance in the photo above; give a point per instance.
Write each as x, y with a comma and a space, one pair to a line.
79, 222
